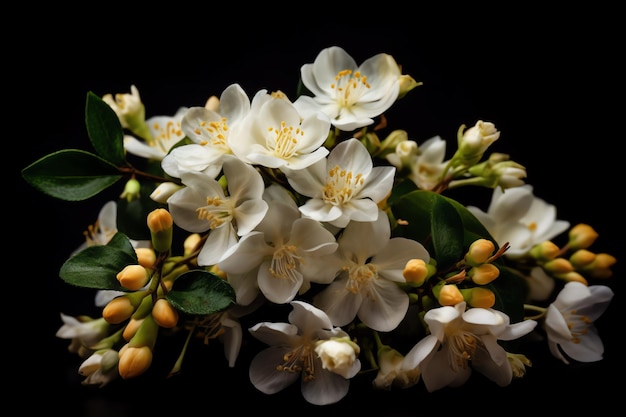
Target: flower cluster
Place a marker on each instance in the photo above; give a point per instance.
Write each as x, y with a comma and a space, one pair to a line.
313, 203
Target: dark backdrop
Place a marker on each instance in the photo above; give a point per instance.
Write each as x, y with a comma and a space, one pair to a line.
551, 91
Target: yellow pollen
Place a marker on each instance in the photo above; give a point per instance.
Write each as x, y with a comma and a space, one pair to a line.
300, 359
532, 226
341, 186
349, 87
285, 263
217, 212
283, 141
360, 277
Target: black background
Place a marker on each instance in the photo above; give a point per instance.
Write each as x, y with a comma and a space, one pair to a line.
548, 82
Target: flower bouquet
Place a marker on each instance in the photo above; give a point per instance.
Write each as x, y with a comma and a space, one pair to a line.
311, 226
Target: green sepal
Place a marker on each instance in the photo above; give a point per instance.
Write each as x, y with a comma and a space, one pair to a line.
104, 130
71, 174
201, 292
97, 266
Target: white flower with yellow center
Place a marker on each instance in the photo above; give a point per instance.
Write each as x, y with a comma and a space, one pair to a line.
291, 356
370, 266
209, 130
519, 218
165, 133
351, 95
343, 187
203, 206
275, 135
461, 340
569, 322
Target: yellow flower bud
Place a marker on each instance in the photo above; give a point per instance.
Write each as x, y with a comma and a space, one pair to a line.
450, 295
415, 272
134, 361
582, 258
483, 274
146, 257
161, 224
545, 251
600, 267
581, 236
479, 251
572, 276
558, 266
479, 297
164, 313
133, 277
132, 190
191, 243
118, 309
131, 328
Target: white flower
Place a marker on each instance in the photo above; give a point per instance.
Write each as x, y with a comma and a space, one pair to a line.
371, 266
203, 206
460, 341
392, 371
100, 368
83, 332
349, 94
429, 164
569, 322
129, 108
518, 217
275, 135
210, 131
291, 356
270, 257
345, 186
166, 132
338, 355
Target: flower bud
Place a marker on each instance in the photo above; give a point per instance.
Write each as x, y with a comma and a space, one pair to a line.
338, 355
212, 103
134, 361
558, 266
473, 143
118, 309
132, 190
479, 297
146, 334
415, 272
146, 257
192, 243
600, 267
483, 274
572, 276
164, 313
131, 328
164, 191
479, 251
544, 251
133, 277
581, 236
582, 258
407, 83
161, 224
392, 141
449, 295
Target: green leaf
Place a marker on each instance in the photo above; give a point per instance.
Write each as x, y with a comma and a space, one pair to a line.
104, 130
97, 267
447, 232
201, 292
120, 241
71, 174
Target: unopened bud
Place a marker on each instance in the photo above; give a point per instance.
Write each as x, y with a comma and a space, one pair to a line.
191, 243
582, 258
572, 276
544, 251
213, 103
479, 297
415, 272
581, 236
134, 361
118, 309
449, 295
161, 224
483, 274
133, 277
164, 191
131, 328
558, 266
479, 251
132, 190
165, 314
146, 257
407, 83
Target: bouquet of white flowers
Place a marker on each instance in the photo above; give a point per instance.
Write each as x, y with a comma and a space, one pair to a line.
313, 211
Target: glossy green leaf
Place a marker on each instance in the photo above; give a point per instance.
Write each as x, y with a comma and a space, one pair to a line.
71, 174
97, 267
447, 232
104, 130
201, 292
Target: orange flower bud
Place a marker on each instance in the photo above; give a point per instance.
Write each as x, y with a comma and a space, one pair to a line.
545, 251
479, 297
164, 314
415, 271
484, 274
118, 309
146, 257
133, 277
161, 224
558, 266
582, 236
450, 295
479, 251
131, 328
134, 361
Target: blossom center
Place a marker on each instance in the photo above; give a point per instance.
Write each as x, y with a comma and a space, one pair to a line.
341, 186
167, 135
285, 262
360, 276
218, 132
577, 324
462, 346
217, 212
299, 359
283, 141
349, 87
